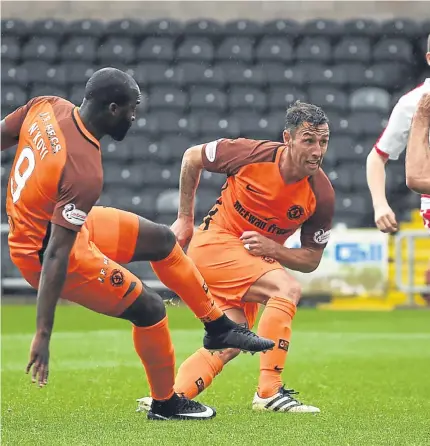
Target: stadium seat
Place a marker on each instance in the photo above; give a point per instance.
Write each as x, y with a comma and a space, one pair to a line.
174, 123
10, 49
163, 28
206, 98
48, 28
152, 151
283, 97
115, 150
49, 90
367, 123
400, 27
76, 94
175, 145
387, 75
340, 124
255, 126
393, 50
354, 73
205, 200
282, 27
140, 203
196, 49
125, 28
86, 27
370, 99
80, 49
215, 127
322, 27
14, 28
274, 49
147, 124
78, 72
353, 151
203, 28
116, 49
13, 74
45, 73
243, 28
361, 27
243, 98
167, 98
329, 98
353, 49
314, 49
294, 75
354, 204
195, 74
238, 49
333, 76
156, 49
13, 96
341, 178
239, 74
168, 202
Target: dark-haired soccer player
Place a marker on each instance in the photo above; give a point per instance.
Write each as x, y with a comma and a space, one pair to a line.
66, 248
272, 190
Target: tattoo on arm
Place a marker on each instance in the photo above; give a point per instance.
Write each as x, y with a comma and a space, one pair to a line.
189, 180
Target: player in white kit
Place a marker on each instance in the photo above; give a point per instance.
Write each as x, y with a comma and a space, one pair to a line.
390, 145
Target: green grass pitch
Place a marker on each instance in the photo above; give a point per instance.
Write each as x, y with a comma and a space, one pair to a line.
368, 372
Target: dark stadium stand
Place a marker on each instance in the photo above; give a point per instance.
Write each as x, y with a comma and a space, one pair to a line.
204, 80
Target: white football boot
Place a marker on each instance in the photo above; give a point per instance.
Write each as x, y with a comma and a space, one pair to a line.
144, 404
282, 401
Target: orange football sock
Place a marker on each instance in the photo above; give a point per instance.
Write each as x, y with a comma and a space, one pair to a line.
178, 272
197, 373
155, 349
275, 324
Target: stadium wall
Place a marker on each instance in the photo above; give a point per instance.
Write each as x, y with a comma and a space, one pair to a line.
217, 10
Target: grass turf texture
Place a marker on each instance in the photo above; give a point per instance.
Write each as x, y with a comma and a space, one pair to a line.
368, 372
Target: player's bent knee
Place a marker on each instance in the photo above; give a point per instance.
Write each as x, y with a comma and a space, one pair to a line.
147, 310
168, 241
289, 289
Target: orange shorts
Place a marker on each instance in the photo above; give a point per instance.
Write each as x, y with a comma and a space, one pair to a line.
229, 270
95, 279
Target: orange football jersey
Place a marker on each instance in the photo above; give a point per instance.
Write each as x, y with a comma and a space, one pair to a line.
256, 198
56, 175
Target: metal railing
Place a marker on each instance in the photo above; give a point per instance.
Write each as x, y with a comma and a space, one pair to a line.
18, 283
410, 288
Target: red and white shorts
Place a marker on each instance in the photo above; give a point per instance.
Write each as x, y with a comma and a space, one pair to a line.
425, 210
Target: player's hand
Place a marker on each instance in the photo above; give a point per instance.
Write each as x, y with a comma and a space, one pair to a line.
385, 219
183, 228
423, 108
39, 359
259, 245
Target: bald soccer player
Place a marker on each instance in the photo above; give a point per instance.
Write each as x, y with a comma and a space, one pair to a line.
66, 248
272, 190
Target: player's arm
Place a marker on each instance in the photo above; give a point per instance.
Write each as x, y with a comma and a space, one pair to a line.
304, 260
11, 125
389, 146
53, 276
78, 191
418, 151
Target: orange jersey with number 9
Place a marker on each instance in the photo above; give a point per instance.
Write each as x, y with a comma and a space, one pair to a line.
56, 175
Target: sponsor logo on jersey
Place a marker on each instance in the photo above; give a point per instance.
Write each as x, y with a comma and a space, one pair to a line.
74, 216
321, 237
268, 259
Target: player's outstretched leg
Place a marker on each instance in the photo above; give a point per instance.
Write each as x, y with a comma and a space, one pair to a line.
175, 269
154, 346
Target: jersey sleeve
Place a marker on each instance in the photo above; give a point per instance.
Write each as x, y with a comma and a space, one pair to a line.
77, 193
315, 232
16, 118
229, 155
394, 138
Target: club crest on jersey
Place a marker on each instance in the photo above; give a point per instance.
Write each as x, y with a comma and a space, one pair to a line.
321, 237
295, 212
74, 216
116, 277
283, 344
